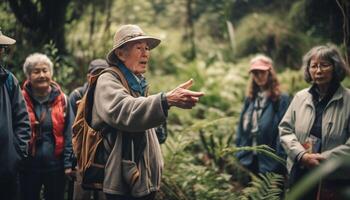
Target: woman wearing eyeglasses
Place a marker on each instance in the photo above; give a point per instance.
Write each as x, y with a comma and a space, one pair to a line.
316, 124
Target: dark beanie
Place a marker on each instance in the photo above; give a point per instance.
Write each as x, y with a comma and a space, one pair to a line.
97, 64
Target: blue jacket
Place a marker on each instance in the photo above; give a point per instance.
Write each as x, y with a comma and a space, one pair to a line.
14, 126
268, 134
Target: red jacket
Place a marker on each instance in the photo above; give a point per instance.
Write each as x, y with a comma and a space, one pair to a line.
58, 111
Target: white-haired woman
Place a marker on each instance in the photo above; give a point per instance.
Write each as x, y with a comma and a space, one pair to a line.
50, 146
263, 109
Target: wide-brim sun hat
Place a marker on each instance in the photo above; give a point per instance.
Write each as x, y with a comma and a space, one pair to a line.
128, 33
4, 40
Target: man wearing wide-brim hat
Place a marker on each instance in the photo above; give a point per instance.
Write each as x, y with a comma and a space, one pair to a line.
14, 126
134, 166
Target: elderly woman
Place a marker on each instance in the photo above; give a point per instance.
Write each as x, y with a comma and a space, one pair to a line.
262, 111
134, 166
50, 146
316, 124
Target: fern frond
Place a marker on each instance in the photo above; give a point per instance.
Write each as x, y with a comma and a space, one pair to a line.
263, 149
265, 186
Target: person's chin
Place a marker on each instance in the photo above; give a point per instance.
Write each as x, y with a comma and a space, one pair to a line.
321, 82
143, 70
42, 86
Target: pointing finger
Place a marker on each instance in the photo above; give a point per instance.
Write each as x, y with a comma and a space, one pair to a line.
193, 93
187, 84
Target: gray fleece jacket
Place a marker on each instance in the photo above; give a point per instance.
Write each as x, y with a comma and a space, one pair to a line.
129, 114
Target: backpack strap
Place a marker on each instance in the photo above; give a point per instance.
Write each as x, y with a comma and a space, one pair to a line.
117, 71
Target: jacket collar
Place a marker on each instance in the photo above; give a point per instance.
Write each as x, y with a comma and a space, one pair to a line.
138, 85
3, 74
339, 93
55, 90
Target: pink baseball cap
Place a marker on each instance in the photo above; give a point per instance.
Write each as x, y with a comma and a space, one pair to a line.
260, 64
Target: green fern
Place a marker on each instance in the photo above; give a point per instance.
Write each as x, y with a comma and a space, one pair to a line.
263, 149
267, 186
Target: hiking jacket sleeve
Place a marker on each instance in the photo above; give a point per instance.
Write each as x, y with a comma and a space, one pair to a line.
68, 149
73, 98
113, 105
20, 120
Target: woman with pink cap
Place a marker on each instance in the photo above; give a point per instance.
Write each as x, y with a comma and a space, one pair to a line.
263, 109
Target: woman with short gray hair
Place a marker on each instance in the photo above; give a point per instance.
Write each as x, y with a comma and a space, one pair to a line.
34, 60
50, 145
316, 125
332, 55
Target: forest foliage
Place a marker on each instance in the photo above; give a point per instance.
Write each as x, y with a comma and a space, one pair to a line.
210, 41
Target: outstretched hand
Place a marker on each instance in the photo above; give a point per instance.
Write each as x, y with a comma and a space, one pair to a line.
182, 97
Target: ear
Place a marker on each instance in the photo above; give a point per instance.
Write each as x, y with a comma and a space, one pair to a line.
120, 54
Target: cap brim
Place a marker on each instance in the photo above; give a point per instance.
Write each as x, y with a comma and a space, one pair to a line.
4, 40
259, 67
151, 41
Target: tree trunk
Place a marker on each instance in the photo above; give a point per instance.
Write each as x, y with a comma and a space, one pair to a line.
44, 20
92, 23
189, 33
344, 7
109, 5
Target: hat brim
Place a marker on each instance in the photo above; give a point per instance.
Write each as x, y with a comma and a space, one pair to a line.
259, 67
4, 40
151, 41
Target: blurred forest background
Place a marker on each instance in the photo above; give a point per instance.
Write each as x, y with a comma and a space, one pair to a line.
210, 41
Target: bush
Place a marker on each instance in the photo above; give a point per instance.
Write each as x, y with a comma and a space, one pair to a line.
271, 35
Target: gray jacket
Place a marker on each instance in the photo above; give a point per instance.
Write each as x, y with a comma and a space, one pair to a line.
297, 122
129, 114
14, 126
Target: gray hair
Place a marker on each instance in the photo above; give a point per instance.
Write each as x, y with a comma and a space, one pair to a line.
328, 53
33, 59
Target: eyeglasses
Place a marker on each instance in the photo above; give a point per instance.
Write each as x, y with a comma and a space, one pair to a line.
3, 47
322, 66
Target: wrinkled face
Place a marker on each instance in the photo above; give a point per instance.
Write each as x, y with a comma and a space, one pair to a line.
136, 56
321, 71
260, 77
40, 77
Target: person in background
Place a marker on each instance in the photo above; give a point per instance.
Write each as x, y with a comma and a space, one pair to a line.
74, 97
78, 93
316, 125
14, 126
50, 146
262, 111
134, 166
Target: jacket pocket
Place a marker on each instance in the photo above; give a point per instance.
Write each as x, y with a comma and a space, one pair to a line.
130, 172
